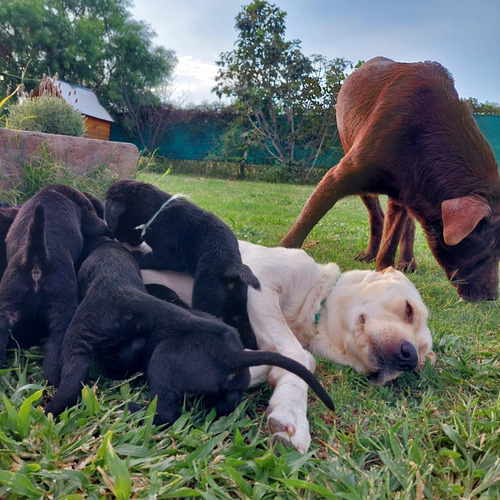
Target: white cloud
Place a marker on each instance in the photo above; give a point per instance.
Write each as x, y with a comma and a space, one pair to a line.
462, 35
189, 66
194, 80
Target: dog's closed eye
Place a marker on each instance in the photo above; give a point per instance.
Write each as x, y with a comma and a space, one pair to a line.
409, 312
361, 321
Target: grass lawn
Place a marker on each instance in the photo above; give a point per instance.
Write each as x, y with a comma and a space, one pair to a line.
435, 434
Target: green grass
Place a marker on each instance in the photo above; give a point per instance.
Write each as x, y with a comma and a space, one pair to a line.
435, 434
42, 169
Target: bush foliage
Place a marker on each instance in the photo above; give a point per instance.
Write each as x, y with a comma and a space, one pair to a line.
51, 115
214, 168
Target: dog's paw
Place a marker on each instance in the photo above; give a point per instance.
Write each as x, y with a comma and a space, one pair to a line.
407, 267
431, 356
365, 257
52, 375
289, 427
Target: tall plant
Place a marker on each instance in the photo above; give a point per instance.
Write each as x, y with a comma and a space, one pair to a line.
287, 99
5, 100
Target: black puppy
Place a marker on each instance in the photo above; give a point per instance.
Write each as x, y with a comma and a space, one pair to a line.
7, 215
180, 352
43, 245
184, 237
96, 203
207, 361
112, 311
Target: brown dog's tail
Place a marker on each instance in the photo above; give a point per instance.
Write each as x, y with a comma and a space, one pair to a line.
36, 249
238, 271
246, 359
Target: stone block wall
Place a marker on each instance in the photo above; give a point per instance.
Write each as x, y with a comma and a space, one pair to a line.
75, 153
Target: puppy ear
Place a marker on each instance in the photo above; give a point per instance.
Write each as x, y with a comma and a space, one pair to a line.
96, 203
241, 272
94, 227
112, 211
389, 269
461, 216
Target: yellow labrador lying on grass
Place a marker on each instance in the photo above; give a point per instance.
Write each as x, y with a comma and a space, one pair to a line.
373, 321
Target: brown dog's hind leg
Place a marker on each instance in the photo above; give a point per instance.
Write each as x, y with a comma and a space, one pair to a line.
395, 219
376, 219
406, 259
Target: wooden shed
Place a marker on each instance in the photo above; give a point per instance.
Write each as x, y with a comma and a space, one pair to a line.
98, 120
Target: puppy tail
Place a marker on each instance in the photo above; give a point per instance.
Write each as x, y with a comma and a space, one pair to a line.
246, 359
241, 272
36, 250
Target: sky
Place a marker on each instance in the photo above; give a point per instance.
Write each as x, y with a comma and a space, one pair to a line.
462, 35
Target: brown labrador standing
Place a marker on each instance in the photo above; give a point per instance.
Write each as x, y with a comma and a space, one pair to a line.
406, 134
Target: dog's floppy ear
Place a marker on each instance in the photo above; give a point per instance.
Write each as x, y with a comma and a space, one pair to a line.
112, 211
461, 216
241, 272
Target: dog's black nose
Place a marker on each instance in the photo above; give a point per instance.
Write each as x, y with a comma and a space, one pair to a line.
407, 357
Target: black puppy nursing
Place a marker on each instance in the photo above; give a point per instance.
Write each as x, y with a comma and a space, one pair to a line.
67, 280
184, 237
43, 246
117, 320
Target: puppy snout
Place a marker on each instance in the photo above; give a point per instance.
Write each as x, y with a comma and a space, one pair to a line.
407, 357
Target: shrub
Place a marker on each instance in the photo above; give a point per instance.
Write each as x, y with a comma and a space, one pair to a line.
48, 114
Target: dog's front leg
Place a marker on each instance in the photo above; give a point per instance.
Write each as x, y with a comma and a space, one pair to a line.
59, 317
287, 410
259, 375
5, 325
75, 372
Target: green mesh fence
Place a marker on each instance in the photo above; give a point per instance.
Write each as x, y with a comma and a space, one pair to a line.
183, 142
490, 127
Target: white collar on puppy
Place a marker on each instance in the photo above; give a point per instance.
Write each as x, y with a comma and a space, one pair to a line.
145, 226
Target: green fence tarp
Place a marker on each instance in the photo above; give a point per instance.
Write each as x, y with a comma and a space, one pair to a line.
490, 127
184, 143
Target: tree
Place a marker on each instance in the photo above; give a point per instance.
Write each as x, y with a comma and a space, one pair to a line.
483, 108
96, 44
288, 99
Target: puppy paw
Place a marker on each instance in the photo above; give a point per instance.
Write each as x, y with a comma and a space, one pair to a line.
52, 375
431, 356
